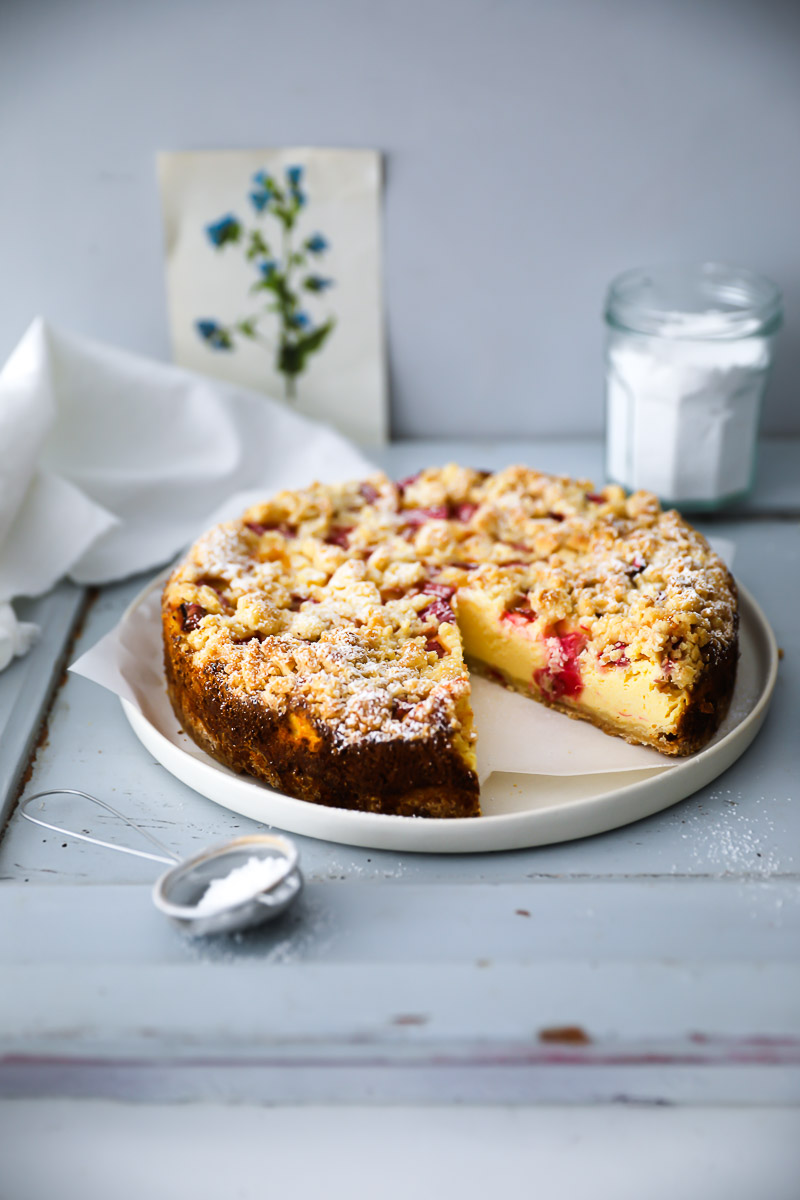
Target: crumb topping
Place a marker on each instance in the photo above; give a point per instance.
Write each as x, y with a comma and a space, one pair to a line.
343, 600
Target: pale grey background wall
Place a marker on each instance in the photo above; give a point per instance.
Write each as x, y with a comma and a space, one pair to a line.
534, 149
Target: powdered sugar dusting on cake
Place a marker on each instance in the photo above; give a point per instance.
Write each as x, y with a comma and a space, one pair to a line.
317, 598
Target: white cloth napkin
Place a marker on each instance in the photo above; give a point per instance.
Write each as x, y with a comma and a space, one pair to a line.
110, 463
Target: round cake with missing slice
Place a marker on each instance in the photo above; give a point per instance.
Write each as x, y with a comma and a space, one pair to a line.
320, 643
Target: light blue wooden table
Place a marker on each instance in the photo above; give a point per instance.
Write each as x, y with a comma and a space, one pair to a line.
668, 948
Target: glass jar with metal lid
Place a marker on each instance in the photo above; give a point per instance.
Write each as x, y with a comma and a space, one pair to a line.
688, 355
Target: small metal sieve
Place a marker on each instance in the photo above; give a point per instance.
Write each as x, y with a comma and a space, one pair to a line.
178, 892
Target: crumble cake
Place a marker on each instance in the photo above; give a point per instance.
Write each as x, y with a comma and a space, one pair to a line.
319, 642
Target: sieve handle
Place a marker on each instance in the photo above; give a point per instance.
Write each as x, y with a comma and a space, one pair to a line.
84, 837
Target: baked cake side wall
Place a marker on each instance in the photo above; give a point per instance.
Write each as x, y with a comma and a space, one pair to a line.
425, 778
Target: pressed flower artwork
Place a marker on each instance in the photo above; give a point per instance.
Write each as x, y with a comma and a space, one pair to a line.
273, 277
282, 266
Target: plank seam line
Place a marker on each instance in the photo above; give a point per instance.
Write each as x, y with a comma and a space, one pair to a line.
59, 679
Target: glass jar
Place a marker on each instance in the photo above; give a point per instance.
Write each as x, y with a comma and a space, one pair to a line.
688, 353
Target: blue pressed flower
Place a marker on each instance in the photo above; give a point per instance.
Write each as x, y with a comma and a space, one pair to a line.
215, 334
316, 243
226, 229
261, 179
300, 320
260, 200
294, 175
268, 267
316, 283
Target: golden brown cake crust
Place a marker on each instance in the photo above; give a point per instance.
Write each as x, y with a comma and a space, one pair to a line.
314, 644
299, 756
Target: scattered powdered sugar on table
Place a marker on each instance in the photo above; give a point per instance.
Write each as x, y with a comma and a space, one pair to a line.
735, 840
309, 941
240, 884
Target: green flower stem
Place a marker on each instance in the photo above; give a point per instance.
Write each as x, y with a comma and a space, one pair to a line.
286, 247
297, 337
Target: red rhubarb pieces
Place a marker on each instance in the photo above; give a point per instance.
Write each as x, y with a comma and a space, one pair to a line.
464, 512
436, 646
439, 512
623, 660
439, 611
561, 678
402, 484
519, 614
191, 616
339, 536
443, 590
420, 516
281, 527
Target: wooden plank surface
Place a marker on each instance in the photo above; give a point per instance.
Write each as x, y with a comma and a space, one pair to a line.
746, 824
27, 684
671, 945
623, 1152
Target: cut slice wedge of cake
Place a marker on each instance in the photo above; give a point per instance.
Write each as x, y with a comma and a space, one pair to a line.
630, 688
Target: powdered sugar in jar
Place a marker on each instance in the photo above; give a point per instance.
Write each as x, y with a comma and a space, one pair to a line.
688, 354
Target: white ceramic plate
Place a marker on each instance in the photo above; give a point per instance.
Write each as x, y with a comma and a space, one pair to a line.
519, 810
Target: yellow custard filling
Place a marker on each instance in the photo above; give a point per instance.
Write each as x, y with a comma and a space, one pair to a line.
562, 669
